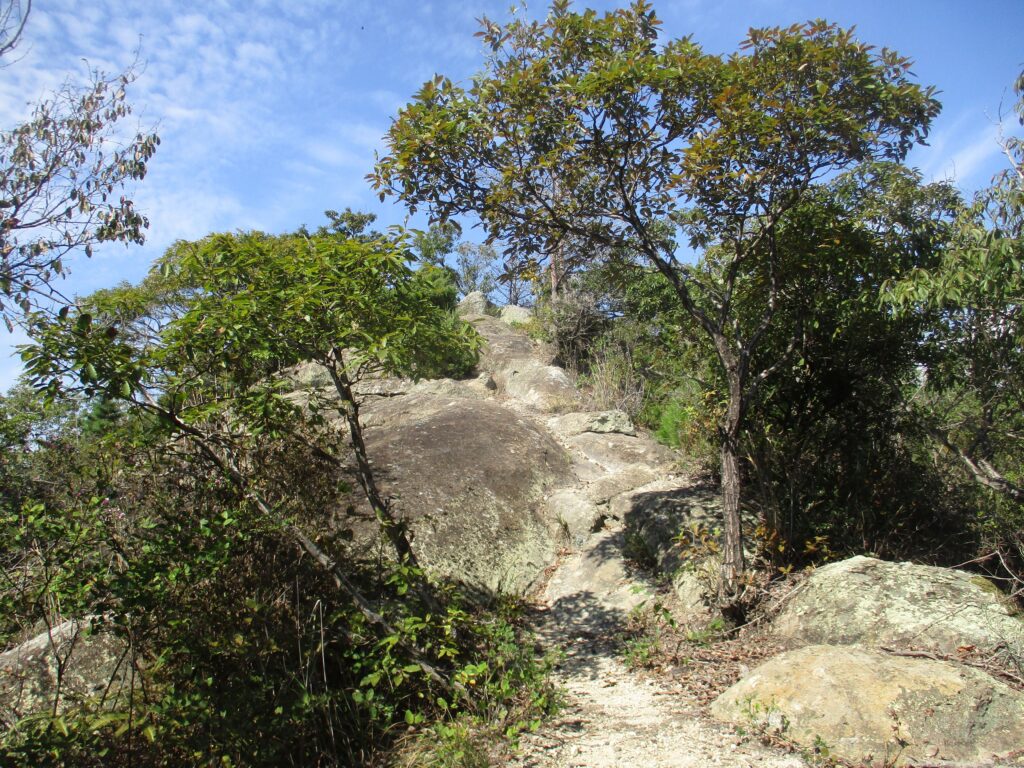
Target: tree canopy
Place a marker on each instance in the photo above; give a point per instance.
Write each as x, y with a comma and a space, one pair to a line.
60, 175
583, 125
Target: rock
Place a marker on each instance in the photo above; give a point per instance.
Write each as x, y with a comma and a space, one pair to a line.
481, 386
870, 708
575, 514
522, 368
617, 452
470, 477
92, 664
474, 304
673, 524
600, 422
609, 485
592, 587
873, 602
507, 346
546, 388
514, 315
309, 376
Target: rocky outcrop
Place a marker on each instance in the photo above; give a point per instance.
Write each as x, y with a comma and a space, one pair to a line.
522, 368
475, 304
599, 422
75, 661
871, 708
514, 315
900, 605
470, 477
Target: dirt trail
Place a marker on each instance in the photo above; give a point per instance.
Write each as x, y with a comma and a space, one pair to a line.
611, 716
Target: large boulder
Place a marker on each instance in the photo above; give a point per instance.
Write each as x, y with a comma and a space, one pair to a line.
901, 605
546, 388
514, 315
74, 659
475, 304
471, 477
869, 708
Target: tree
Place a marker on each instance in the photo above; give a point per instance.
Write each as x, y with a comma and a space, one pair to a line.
834, 455
60, 175
202, 344
475, 262
970, 401
659, 146
12, 24
431, 247
348, 225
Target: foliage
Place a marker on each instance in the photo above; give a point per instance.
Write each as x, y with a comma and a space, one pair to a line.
659, 145
832, 451
474, 268
434, 245
256, 644
972, 397
60, 174
347, 225
247, 656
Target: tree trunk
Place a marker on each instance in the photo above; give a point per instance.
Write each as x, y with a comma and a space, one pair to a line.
393, 529
733, 565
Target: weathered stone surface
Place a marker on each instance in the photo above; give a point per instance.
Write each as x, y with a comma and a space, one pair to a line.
616, 452
90, 667
547, 388
601, 422
859, 702
657, 513
506, 345
592, 585
512, 314
308, 376
471, 477
608, 485
873, 602
575, 514
522, 368
474, 305
671, 520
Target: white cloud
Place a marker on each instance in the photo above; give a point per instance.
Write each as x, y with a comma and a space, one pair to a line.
325, 153
961, 153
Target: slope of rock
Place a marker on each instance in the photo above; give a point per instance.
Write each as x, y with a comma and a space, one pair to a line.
873, 602
522, 368
470, 477
70, 658
871, 708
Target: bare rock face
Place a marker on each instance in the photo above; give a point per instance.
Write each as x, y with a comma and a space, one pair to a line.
522, 368
871, 708
471, 477
673, 524
872, 602
600, 422
474, 304
514, 315
575, 514
89, 666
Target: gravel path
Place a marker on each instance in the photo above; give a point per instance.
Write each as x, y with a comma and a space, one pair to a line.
612, 716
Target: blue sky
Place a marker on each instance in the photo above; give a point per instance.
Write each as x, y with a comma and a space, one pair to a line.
270, 112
